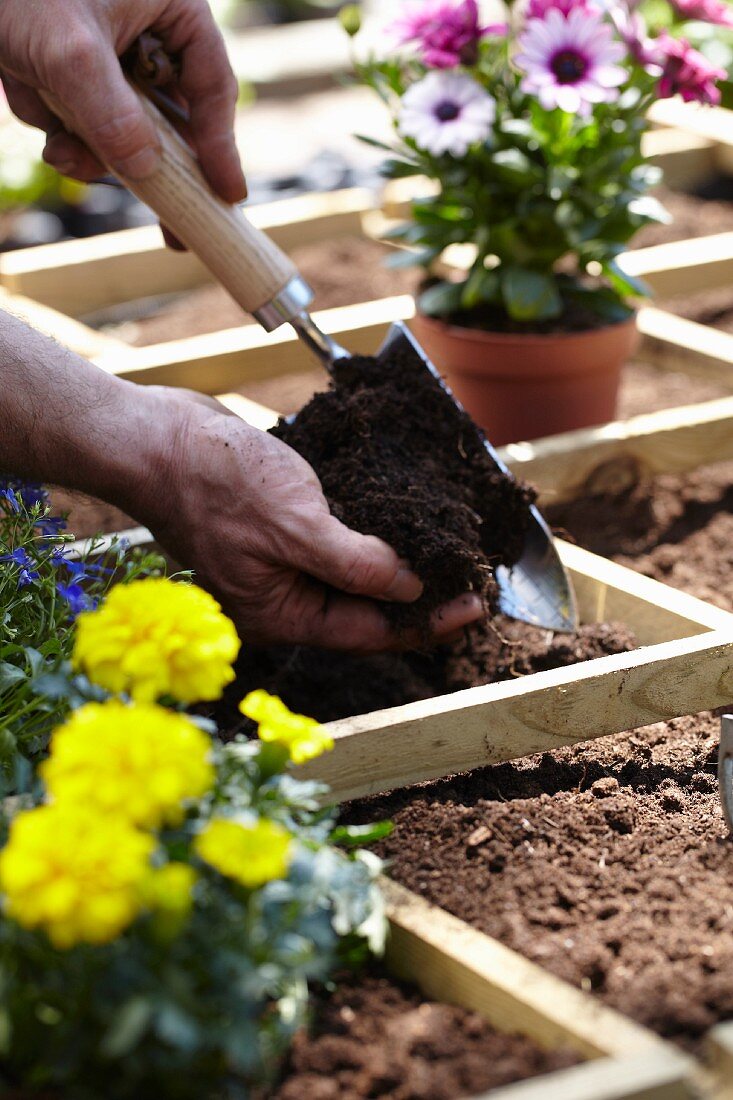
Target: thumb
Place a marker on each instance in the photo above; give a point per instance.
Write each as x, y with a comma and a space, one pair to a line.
98, 104
362, 565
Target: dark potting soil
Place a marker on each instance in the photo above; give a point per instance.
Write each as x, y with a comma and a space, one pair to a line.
376, 1037
677, 528
607, 864
398, 459
346, 685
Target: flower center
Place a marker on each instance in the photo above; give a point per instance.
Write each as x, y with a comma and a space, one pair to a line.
569, 66
447, 110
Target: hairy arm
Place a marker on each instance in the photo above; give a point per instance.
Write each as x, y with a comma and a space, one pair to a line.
237, 506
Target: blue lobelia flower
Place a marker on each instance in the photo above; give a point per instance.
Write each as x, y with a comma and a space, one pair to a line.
27, 573
77, 599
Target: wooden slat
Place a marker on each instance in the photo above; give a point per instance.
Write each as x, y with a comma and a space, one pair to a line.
719, 1057
682, 267
539, 713
614, 456
715, 124
674, 343
607, 592
453, 962
660, 1075
78, 277
72, 334
222, 361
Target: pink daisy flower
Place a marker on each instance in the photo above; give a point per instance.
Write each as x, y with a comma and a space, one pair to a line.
570, 61
538, 9
685, 72
632, 31
446, 113
446, 35
709, 11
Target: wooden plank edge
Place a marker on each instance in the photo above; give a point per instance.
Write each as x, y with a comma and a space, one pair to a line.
670, 342
222, 361
614, 456
719, 1059
80, 276
491, 724
677, 610
672, 268
658, 1075
453, 962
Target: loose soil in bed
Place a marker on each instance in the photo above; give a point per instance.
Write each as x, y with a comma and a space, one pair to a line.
375, 1037
677, 528
607, 864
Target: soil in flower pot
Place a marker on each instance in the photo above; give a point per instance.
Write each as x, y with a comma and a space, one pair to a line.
376, 1037
608, 864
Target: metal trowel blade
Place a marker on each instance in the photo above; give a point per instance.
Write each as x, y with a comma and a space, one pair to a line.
537, 589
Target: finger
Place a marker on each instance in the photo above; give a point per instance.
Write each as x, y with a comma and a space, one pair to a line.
211, 89
28, 106
312, 617
70, 156
452, 617
100, 106
358, 564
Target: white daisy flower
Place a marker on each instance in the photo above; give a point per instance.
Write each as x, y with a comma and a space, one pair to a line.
446, 112
570, 60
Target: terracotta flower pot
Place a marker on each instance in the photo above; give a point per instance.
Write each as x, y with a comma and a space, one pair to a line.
525, 386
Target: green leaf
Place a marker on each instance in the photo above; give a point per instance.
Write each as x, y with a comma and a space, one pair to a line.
10, 675
127, 1028
350, 836
530, 295
440, 299
412, 257
481, 286
623, 283
514, 166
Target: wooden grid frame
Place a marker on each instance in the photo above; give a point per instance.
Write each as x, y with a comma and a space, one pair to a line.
686, 665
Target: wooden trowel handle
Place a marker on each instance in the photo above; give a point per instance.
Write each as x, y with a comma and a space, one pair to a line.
244, 260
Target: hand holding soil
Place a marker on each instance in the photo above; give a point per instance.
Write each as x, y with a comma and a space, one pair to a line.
285, 568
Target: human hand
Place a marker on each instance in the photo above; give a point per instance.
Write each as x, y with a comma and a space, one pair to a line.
247, 513
69, 50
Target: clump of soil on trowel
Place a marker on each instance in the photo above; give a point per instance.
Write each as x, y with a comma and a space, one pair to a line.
398, 459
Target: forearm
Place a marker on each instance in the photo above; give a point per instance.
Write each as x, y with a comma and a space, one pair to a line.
66, 422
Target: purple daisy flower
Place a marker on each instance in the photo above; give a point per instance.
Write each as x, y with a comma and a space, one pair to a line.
447, 35
570, 61
632, 31
446, 113
538, 9
685, 72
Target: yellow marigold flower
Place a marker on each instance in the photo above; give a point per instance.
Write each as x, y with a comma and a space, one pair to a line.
74, 873
304, 738
157, 637
250, 854
169, 889
139, 762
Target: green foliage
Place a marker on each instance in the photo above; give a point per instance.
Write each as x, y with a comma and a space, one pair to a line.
38, 604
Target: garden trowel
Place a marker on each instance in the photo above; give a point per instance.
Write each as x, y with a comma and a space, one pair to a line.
266, 284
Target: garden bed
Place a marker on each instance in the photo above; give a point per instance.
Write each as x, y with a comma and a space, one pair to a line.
373, 1036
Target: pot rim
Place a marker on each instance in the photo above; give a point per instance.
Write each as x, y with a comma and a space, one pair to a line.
462, 332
